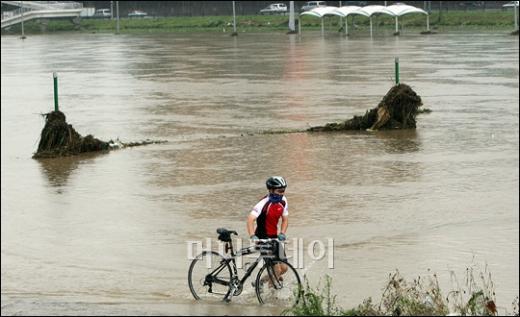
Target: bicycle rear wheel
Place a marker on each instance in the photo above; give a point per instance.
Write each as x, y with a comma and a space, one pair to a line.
209, 277
278, 283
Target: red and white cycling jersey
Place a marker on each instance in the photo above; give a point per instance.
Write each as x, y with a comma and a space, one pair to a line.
268, 215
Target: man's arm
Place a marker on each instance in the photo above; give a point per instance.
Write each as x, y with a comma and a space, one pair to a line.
251, 224
285, 224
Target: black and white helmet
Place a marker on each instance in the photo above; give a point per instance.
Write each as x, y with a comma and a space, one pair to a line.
275, 182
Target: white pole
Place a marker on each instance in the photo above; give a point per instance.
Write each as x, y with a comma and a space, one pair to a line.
117, 17
346, 25
291, 16
300, 25
340, 18
427, 22
371, 26
516, 16
322, 27
23, 30
234, 19
396, 25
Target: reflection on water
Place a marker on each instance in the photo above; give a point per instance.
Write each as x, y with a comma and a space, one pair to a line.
58, 170
399, 141
95, 233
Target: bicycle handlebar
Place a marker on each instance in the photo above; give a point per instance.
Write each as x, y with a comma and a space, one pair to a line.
268, 240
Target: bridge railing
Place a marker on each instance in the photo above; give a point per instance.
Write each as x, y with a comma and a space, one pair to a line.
46, 5
33, 6
14, 13
62, 4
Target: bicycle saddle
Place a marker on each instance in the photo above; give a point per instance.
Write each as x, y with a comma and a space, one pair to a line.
225, 235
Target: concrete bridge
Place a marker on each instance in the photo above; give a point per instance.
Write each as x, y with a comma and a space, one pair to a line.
28, 10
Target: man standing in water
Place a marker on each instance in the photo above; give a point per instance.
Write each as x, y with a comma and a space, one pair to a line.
267, 213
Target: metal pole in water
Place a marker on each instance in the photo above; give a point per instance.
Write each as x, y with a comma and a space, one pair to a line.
292, 29
23, 30
234, 20
516, 16
55, 77
340, 18
397, 70
117, 17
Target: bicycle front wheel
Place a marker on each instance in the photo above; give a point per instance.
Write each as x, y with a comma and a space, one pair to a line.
209, 277
278, 283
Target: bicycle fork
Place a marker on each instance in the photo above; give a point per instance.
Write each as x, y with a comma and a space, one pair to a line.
276, 280
235, 284
234, 287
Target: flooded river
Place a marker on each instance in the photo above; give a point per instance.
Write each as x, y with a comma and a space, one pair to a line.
108, 233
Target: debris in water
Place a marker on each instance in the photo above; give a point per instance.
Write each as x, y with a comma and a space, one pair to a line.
397, 110
118, 144
58, 138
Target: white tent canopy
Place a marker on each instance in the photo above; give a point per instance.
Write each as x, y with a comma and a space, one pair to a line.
376, 9
345, 11
402, 9
321, 12
395, 11
348, 10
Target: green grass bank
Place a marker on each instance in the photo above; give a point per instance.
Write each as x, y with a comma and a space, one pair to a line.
488, 19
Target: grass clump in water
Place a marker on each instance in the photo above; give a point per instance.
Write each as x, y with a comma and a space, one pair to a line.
316, 302
419, 297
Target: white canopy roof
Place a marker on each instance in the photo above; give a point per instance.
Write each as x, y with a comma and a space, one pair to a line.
393, 10
375, 9
320, 12
402, 9
348, 10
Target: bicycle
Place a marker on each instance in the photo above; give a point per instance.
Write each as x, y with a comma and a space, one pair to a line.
219, 277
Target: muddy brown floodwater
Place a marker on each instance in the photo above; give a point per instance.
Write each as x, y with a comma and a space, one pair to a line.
108, 233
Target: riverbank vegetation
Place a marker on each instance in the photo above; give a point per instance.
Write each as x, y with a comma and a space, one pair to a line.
492, 19
419, 297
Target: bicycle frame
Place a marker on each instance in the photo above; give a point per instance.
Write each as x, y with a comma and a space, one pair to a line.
231, 260
250, 269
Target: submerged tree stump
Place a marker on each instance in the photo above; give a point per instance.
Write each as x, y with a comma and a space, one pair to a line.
60, 139
397, 110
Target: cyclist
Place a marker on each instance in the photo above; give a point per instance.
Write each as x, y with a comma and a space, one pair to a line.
267, 213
